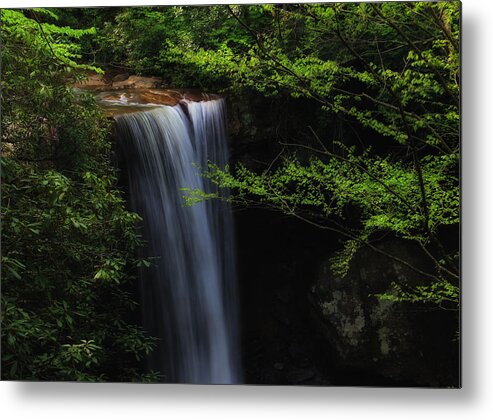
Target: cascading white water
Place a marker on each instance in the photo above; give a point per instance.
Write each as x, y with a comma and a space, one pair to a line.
188, 296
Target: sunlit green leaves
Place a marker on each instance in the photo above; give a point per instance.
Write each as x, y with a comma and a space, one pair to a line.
386, 193
440, 293
57, 40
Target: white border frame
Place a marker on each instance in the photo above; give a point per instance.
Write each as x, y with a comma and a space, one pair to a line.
121, 401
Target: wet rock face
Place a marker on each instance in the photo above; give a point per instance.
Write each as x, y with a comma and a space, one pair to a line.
410, 344
257, 126
243, 124
130, 100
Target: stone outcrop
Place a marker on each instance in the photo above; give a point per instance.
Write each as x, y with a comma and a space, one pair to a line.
411, 344
150, 97
137, 82
125, 93
101, 82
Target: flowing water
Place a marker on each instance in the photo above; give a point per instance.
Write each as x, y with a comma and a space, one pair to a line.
188, 295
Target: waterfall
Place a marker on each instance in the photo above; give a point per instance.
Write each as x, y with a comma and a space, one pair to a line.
188, 295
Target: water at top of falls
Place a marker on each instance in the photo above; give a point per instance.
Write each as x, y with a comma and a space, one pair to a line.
188, 296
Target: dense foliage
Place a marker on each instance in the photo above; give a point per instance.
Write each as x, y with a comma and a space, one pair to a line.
391, 72
67, 240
